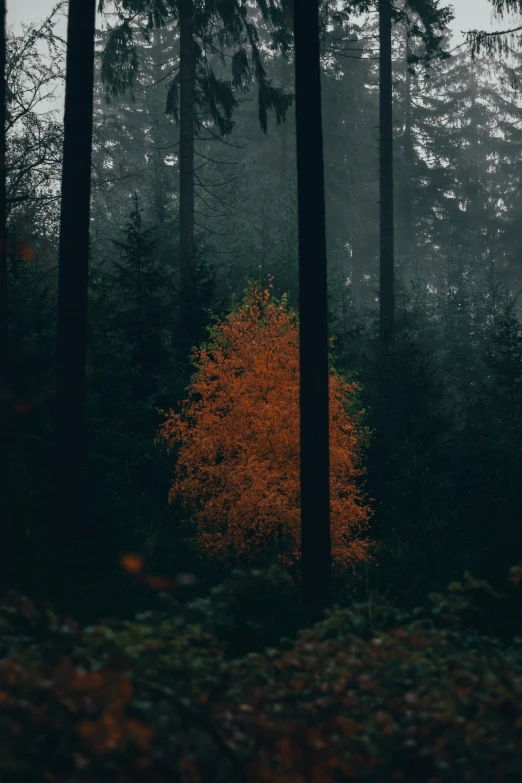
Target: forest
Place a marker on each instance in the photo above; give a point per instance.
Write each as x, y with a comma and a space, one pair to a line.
260, 393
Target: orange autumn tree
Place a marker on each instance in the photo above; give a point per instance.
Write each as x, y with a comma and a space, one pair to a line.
238, 440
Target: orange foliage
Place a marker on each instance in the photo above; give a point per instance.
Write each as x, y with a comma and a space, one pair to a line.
133, 564
238, 438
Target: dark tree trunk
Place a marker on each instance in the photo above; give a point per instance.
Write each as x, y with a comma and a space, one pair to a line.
71, 349
387, 282
313, 309
283, 150
408, 239
4, 342
186, 140
477, 167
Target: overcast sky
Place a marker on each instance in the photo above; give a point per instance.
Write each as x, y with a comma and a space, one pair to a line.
469, 14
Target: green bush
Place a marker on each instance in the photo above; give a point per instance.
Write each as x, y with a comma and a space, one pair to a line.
367, 694
250, 610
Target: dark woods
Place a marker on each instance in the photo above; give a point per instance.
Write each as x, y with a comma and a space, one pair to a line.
260, 366
195, 190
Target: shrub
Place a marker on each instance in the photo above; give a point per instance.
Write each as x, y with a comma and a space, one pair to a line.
251, 610
423, 697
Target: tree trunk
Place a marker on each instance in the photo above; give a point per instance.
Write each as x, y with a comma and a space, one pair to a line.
387, 292
4, 342
186, 141
283, 149
477, 166
71, 349
408, 242
157, 139
313, 310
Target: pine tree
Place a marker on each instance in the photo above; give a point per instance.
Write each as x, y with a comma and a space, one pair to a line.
135, 149
489, 449
143, 318
426, 21
504, 359
198, 97
351, 189
496, 41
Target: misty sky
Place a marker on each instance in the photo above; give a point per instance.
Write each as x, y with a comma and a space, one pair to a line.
469, 14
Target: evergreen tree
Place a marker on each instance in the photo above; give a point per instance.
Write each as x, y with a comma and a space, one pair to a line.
497, 40
142, 315
197, 86
504, 359
350, 109
488, 482
426, 21
134, 150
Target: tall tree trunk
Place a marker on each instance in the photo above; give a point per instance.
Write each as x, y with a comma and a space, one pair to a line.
158, 142
313, 309
186, 140
71, 352
408, 240
387, 282
4, 338
476, 161
283, 149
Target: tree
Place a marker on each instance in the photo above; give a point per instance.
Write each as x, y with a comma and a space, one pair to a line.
4, 332
187, 84
34, 71
141, 312
237, 442
423, 19
198, 97
134, 147
497, 39
313, 309
457, 168
71, 349
386, 223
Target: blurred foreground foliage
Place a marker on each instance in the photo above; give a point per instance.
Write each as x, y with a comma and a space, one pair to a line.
370, 693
